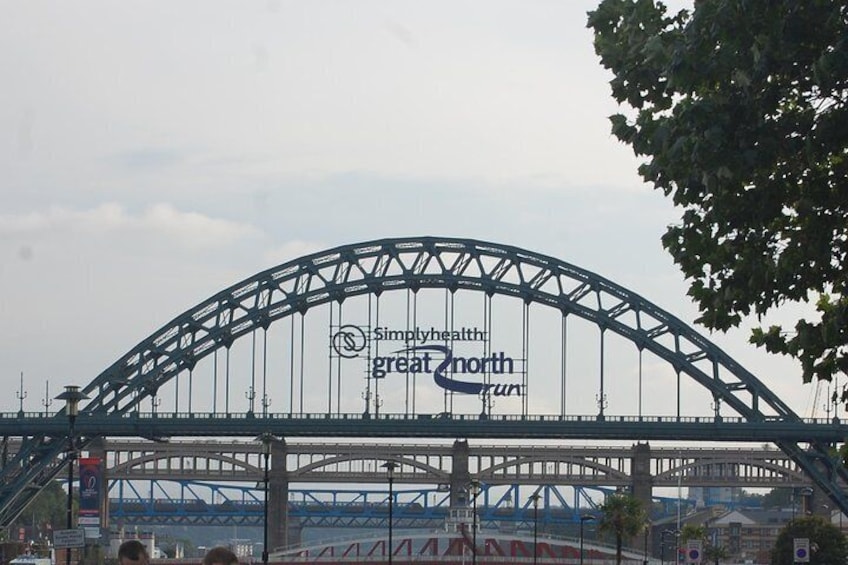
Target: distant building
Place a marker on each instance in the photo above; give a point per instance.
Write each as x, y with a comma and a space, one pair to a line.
148, 539
749, 534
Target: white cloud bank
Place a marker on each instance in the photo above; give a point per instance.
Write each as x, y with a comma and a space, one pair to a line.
191, 229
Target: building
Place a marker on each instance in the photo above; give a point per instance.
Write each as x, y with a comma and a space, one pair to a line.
748, 534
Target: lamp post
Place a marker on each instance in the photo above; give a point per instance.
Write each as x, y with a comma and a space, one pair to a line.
390, 467
266, 440
583, 519
474, 489
807, 501
535, 498
72, 397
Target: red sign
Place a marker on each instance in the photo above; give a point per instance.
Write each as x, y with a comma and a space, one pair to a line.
91, 476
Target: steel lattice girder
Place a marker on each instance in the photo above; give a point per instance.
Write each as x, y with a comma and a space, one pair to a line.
416, 263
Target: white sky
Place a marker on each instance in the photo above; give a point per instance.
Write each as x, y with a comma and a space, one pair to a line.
153, 153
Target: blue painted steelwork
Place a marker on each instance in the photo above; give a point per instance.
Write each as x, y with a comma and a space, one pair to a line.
417, 263
415, 508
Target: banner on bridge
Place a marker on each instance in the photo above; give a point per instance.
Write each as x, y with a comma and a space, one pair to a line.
91, 477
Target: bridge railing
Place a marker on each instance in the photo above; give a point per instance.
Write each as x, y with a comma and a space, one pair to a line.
440, 416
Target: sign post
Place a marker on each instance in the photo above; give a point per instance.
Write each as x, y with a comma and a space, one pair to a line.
694, 551
66, 539
801, 550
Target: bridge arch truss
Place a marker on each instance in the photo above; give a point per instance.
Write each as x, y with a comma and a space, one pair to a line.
247, 310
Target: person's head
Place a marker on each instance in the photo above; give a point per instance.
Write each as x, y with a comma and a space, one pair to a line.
220, 556
133, 552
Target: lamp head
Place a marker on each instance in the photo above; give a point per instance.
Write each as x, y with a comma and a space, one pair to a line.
72, 397
266, 439
390, 467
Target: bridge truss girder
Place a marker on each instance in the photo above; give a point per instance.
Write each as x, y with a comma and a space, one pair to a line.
414, 508
416, 263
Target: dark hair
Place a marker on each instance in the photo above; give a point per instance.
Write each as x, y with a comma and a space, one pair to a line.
220, 556
133, 549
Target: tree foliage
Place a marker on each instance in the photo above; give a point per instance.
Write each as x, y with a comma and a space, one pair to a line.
827, 543
47, 510
623, 516
692, 532
779, 498
739, 109
49, 507
715, 553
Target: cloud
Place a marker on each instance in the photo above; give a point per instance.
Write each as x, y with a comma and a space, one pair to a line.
292, 250
148, 159
190, 229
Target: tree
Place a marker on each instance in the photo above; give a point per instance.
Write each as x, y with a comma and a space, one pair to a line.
739, 109
46, 510
623, 516
712, 552
827, 543
692, 532
749, 499
715, 553
779, 498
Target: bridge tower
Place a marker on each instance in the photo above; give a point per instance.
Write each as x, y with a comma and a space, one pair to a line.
642, 481
460, 477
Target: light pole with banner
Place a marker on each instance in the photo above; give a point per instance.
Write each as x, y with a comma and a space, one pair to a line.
265, 439
72, 397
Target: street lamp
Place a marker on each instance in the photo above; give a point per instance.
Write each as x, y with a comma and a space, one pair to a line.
806, 500
535, 498
583, 519
266, 440
390, 467
72, 397
474, 489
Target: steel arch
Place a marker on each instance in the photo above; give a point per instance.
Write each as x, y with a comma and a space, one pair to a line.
415, 263
419, 470
490, 474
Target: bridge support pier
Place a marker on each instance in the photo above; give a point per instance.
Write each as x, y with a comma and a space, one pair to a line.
642, 482
460, 478
278, 498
